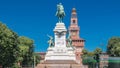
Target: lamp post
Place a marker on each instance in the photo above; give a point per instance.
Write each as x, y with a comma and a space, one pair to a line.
34, 61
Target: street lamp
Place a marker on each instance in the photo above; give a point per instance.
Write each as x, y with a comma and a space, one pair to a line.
34, 62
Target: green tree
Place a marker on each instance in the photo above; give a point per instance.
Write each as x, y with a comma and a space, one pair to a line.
97, 53
37, 58
26, 50
91, 54
88, 58
9, 50
113, 47
85, 53
91, 58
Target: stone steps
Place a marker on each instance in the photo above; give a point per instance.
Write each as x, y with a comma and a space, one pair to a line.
59, 66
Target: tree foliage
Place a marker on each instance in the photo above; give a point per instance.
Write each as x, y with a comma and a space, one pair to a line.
15, 49
86, 53
8, 46
97, 53
37, 58
26, 50
113, 47
91, 58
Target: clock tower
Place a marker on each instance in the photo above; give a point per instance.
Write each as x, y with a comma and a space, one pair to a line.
77, 42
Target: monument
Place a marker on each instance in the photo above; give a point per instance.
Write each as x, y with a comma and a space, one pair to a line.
58, 49
61, 53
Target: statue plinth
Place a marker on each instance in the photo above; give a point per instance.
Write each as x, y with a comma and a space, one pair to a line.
60, 35
60, 51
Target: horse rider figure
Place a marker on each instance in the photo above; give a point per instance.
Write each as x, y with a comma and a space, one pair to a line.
60, 12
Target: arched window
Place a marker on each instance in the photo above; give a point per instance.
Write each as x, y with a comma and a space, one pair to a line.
74, 21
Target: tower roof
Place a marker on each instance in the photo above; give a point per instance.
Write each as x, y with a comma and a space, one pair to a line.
74, 10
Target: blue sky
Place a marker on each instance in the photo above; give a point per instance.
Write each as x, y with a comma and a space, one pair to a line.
99, 20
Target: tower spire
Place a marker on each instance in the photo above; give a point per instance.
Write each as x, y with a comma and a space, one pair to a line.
74, 28
77, 42
74, 17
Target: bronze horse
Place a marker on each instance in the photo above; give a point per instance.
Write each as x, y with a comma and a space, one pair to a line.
60, 12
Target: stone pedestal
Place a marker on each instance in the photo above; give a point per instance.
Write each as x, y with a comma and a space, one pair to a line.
60, 54
60, 51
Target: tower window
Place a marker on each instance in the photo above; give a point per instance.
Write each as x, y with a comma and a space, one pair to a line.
77, 54
74, 16
74, 21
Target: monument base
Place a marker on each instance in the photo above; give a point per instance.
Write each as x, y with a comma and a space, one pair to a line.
60, 53
59, 66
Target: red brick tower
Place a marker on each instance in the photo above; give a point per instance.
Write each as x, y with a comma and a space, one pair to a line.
77, 42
